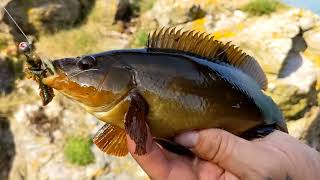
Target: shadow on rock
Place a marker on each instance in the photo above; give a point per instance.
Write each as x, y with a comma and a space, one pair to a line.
313, 134
9, 71
7, 148
294, 59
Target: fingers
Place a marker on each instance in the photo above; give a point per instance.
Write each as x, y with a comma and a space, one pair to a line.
154, 162
213, 145
230, 152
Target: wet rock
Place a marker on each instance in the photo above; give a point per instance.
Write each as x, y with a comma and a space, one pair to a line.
7, 148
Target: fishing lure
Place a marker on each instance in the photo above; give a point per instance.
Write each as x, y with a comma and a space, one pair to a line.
37, 68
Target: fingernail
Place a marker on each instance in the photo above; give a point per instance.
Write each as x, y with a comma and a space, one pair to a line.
188, 139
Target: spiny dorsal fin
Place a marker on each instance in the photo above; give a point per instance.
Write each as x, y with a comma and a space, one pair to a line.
204, 45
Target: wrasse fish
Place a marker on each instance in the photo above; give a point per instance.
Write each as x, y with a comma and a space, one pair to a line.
182, 80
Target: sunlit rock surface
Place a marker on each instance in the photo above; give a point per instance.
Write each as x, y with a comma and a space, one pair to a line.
40, 134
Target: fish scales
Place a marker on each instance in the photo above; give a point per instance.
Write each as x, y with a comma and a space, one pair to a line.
172, 86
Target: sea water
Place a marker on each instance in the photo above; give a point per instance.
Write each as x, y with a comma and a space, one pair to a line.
313, 5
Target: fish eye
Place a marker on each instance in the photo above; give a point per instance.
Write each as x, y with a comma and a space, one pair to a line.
86, 62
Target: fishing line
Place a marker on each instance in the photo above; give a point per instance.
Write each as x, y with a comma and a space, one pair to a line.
17, 25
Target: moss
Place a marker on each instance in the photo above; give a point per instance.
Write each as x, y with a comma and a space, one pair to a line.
261, 7
293, 103
77, 151
141, 6
141, 39
3, 44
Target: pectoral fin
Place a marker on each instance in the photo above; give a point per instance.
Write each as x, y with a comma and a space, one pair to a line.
111, 140
135, 122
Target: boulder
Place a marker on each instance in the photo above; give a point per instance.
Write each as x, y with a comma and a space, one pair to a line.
177, 12
293, 102
46, 15
52, 16
312, 38
307, 127
311, 132
40, 135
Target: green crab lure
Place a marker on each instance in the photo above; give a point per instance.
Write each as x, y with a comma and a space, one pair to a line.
37, 69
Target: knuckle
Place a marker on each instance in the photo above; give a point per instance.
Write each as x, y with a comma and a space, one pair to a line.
215, 145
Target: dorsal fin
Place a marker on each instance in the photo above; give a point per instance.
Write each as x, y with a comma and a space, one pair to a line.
204, 45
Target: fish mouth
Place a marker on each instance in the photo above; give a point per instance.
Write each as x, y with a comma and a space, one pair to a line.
56, 74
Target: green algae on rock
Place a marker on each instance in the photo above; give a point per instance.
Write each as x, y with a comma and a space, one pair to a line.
293, 102
77, 151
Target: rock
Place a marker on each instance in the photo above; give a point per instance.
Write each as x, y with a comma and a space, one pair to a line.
307, 128
195, 12
297, 69
177, 12
46, 15
267, 38
40, 135
6, 39
311, 129
7, 148
52, 16
7, 76
124, 11
293, 102
312, 38
308, 20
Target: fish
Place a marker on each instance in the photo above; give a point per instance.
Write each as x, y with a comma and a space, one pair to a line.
182, 80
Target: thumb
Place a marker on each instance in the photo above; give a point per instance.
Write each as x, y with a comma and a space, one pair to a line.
232, 153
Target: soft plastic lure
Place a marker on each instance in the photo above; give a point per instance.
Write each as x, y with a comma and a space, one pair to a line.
37, 68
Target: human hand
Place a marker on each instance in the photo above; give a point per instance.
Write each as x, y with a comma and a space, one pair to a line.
222, 155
